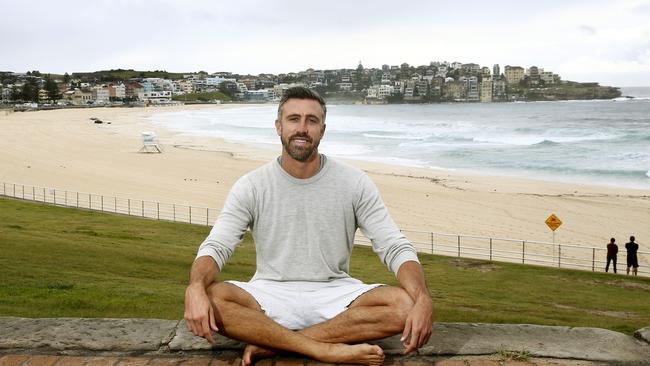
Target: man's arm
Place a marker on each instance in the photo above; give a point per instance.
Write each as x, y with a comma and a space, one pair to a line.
199, 314
213, 254
417, 329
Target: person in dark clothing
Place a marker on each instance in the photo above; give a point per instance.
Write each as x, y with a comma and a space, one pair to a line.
612, 250
632, 260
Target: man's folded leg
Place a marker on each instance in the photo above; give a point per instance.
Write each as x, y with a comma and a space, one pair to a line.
240, 317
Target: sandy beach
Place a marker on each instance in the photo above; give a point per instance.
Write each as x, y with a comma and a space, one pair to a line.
64, 149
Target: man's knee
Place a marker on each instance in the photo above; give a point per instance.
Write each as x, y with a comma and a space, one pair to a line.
218, 291
223, 292
403, 305
398, 301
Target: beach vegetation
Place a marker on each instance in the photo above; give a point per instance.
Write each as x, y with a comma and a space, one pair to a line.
203, 97
65, 262
115, 75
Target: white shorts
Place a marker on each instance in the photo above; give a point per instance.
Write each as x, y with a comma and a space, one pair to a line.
299, 304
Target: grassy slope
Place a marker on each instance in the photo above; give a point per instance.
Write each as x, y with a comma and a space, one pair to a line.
65, 262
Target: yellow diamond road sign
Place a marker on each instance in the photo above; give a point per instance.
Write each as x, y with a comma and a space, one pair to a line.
553, 222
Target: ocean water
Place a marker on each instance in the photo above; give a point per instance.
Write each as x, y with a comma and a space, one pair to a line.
594, 142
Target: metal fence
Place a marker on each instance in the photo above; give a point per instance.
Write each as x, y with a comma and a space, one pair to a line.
560, 255
118, 205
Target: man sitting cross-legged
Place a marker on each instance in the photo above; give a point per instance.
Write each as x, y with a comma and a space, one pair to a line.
303, 210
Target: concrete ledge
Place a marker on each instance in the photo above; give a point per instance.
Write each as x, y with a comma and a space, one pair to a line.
79, 336
61, 334
643, 334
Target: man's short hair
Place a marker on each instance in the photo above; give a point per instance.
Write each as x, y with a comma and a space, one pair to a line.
300, 92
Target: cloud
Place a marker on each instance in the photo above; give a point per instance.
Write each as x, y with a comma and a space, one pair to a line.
587, 30
255, 36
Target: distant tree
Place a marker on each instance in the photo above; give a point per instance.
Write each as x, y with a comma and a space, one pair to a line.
29, 92
228, 88
321, 89
454, 74
16, 94
52, 89
66, 78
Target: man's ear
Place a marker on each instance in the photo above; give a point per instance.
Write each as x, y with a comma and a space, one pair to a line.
322, 132
278, 127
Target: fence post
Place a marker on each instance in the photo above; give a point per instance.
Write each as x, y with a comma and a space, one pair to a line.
593, 259
158, 210
43, 194
115, 204
129, 205
142, 208
33, 193
14, 195
431, 242
66, 198
90, 201
490, 248
207, 213
102, 198
174, 211
77, 199
54, 196
4, 189
523, 252
559, 256
459, 245
23, 191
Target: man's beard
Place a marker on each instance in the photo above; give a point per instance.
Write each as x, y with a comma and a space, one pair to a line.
300, 153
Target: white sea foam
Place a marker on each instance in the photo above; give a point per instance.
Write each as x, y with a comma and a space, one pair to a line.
575, 141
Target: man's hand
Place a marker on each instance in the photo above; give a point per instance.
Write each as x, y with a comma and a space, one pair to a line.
417, 329
199, 315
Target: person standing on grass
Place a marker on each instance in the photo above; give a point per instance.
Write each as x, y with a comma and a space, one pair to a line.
303, 210
632, 260
612, 251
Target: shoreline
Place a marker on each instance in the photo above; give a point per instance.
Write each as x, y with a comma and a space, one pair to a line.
65, 149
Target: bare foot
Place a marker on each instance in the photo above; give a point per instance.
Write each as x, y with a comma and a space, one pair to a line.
253, 353
364, 354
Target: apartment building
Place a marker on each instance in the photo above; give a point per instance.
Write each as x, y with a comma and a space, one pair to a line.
100, 94
157, 97
486, 90
472, 89
514, 74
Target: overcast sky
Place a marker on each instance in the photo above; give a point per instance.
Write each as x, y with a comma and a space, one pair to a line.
591, 40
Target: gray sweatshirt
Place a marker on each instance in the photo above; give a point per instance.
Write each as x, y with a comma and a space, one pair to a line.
304, 228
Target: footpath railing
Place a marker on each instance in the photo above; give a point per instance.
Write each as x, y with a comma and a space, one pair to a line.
118, 205
560, 255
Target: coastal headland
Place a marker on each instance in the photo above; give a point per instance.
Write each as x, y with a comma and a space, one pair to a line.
65, 149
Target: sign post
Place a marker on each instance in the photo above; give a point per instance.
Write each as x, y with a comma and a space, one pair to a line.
553, 222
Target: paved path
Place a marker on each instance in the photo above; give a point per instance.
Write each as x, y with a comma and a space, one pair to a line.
49, 360
78, 341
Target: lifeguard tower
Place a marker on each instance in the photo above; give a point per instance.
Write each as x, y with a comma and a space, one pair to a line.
150, 143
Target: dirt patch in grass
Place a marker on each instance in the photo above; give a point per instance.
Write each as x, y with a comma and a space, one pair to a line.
611, 314
480, 266
624, 284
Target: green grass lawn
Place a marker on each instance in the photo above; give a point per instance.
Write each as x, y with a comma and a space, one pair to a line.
57, 262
